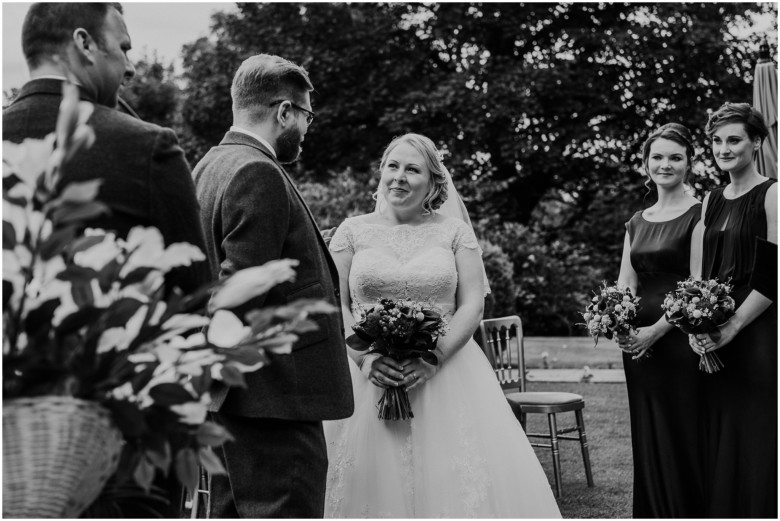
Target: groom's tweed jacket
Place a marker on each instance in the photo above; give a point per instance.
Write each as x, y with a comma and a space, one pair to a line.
252, 213
146, 180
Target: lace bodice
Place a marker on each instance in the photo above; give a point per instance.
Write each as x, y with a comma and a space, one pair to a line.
416, 262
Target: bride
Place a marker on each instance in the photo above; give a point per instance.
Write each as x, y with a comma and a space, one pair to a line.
463, 454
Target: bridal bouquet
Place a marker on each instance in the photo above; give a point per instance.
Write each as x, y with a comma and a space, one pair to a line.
89, 315
701, 306
399, 329
612, 311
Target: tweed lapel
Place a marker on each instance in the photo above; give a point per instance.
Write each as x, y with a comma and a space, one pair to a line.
239, 138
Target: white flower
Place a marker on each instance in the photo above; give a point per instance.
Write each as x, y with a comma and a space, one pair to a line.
597, 318
252, 282
696, 313
226, 330
618, 308
587, 316
695, 300
97, 256
713, 299
191, 413
148, 250
119, 338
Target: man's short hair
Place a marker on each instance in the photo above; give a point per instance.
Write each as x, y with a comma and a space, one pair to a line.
48, 26
265, 78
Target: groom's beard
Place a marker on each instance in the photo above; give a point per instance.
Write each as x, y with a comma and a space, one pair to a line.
288, 145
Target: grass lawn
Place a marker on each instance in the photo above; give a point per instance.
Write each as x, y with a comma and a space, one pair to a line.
609, 439
571, 353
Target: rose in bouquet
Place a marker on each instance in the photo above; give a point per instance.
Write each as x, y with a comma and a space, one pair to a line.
612, 311
400, 329
701, 306
89, 315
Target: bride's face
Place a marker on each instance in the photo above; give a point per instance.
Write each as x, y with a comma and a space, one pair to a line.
405, 177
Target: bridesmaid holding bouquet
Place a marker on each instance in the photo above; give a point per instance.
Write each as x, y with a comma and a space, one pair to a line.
739, 242
662, 378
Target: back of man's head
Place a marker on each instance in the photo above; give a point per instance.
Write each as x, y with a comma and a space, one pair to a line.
49, 26
264, 79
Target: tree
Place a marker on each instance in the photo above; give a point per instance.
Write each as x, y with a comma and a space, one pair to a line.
153, 92
539, 109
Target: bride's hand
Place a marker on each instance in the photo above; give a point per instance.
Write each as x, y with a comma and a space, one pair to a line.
417, 372
385, 372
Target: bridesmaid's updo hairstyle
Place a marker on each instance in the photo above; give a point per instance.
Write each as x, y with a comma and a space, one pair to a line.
744, 113
437, 190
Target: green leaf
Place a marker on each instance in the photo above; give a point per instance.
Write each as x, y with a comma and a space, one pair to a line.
75, 273
81, 291
210, 461
108, 274
168, 394
430, 358
121, 311
80, 192
144, 474
186, 467
77, 213
56, 243
358, 342
84, 243
9, 236
212, 434
243, 354
232, 376
137, 275
158, 452
128, 418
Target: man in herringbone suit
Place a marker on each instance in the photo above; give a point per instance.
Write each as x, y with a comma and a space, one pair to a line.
146, 179
252, 213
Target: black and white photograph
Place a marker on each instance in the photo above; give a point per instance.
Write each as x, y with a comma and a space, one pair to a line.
390, 260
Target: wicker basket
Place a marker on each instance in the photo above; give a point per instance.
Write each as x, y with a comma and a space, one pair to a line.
58, 453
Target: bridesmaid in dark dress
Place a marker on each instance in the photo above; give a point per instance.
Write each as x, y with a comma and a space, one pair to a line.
740, 429
662, 378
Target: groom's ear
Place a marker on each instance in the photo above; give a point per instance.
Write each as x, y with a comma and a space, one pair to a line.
85, 44
283, 113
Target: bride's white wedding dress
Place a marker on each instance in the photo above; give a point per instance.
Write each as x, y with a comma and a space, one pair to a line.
464, 453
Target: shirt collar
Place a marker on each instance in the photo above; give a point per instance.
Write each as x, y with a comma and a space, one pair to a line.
54, 77
254, 136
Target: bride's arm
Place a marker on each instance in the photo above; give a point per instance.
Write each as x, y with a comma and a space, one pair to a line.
343, 261
470, 302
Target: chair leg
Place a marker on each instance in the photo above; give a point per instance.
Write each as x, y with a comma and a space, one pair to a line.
555, 452
584, 446
523, 419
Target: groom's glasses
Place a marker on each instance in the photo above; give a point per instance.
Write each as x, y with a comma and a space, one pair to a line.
309, 114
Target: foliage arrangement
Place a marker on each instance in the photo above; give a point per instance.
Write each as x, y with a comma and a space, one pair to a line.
88, 314
612, 311
701, 306
400, 329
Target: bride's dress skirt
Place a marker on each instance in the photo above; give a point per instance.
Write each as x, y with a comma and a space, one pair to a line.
463, 454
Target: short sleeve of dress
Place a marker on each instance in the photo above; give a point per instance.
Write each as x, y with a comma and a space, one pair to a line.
464, 238
342, 238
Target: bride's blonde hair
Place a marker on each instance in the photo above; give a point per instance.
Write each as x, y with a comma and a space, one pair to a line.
437, 191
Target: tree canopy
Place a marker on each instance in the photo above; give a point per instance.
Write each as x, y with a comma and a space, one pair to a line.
539, 108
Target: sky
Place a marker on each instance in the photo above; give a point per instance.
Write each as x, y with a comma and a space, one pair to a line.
153, 26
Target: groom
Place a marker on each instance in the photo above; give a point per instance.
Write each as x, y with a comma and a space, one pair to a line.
252, 213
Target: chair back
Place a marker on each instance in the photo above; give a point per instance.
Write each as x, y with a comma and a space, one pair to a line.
502, 342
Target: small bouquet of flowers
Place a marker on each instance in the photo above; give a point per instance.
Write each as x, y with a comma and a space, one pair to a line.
701, 306
612, 311
399, 329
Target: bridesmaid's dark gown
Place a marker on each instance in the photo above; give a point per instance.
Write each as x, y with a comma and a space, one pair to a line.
664, 390
741, 425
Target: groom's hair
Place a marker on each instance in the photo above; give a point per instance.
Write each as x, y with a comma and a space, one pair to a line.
264, 79
48, 26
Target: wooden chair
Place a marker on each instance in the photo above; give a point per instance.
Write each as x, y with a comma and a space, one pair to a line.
502, 342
